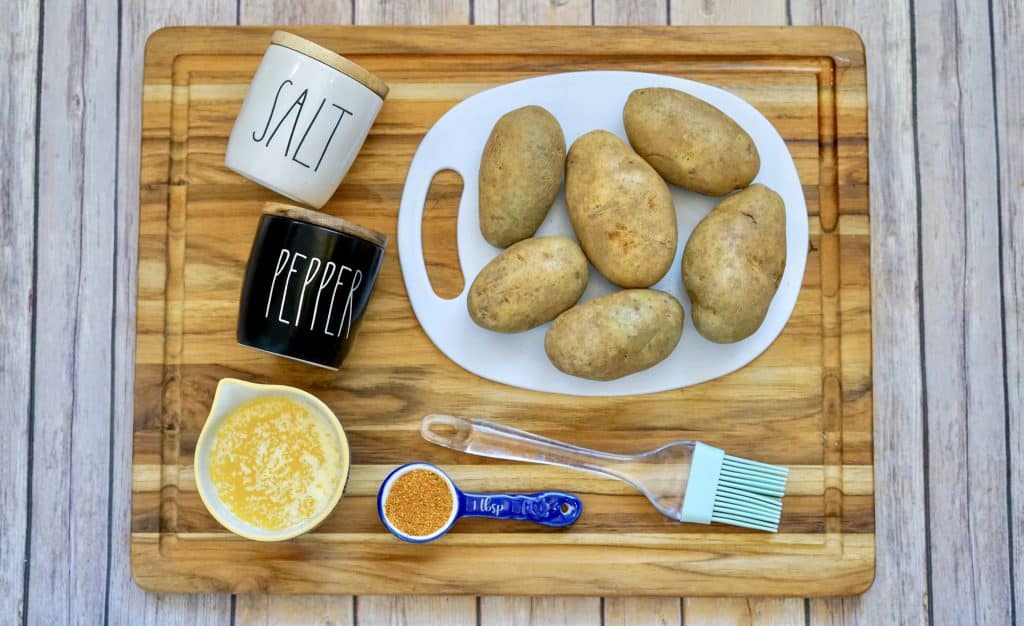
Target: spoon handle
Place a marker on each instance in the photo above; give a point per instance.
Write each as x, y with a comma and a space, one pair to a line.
551, 508
483, 438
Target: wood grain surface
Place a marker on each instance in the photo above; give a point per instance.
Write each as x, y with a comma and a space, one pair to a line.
805, 403
1006, 49
78, 139
957, 251
906, 529
19, 102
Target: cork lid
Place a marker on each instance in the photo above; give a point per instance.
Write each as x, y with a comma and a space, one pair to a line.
331, 59
327, 221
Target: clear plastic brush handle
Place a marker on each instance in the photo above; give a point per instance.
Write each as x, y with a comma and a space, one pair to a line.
723, 488
483, 438
660, 475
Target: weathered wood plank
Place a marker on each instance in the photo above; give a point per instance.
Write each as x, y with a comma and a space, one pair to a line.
260, 609
732, 12
287, 12
552, 611
743, 612
19, 50
127, 603
415, 610
73, 360
808, 13
1007, 51
411, 12
653, 611
963, 357
639, 12
564, 12
255, 608
899, 594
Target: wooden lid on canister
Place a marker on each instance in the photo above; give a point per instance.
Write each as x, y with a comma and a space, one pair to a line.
331, 59
327, 221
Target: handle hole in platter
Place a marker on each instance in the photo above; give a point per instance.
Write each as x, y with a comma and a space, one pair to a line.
440, 246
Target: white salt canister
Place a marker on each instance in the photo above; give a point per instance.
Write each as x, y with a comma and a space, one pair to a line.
304, 119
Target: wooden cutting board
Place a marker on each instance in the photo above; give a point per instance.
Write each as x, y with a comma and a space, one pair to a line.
804, 403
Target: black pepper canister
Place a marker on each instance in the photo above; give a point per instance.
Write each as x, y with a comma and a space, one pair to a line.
307, 284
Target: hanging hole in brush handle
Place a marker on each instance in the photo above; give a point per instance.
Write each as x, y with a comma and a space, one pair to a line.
550, 508
447, 431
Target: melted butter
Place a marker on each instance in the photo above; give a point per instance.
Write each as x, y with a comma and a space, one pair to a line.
275, 463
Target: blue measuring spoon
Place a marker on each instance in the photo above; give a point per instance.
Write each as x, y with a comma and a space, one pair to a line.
550, 508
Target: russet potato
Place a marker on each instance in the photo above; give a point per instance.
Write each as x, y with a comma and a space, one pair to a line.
620, 209
733, 263
615, 335
691, 143
528, 284
521, 172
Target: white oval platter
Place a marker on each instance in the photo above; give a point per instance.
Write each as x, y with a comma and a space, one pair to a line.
582, 101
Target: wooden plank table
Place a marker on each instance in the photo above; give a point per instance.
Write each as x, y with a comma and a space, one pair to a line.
948, 275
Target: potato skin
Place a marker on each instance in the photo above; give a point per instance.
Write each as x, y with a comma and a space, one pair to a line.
733, 263
528, 284
615, 335
621, 210
691, 143
520, 173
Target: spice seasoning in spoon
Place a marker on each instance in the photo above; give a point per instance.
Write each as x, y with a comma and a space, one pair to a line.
419, 503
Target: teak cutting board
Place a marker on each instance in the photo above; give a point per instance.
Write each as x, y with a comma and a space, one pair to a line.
805, 403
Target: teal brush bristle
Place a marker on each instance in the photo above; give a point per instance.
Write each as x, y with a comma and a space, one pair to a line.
731, 490
749, 494
761, 478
